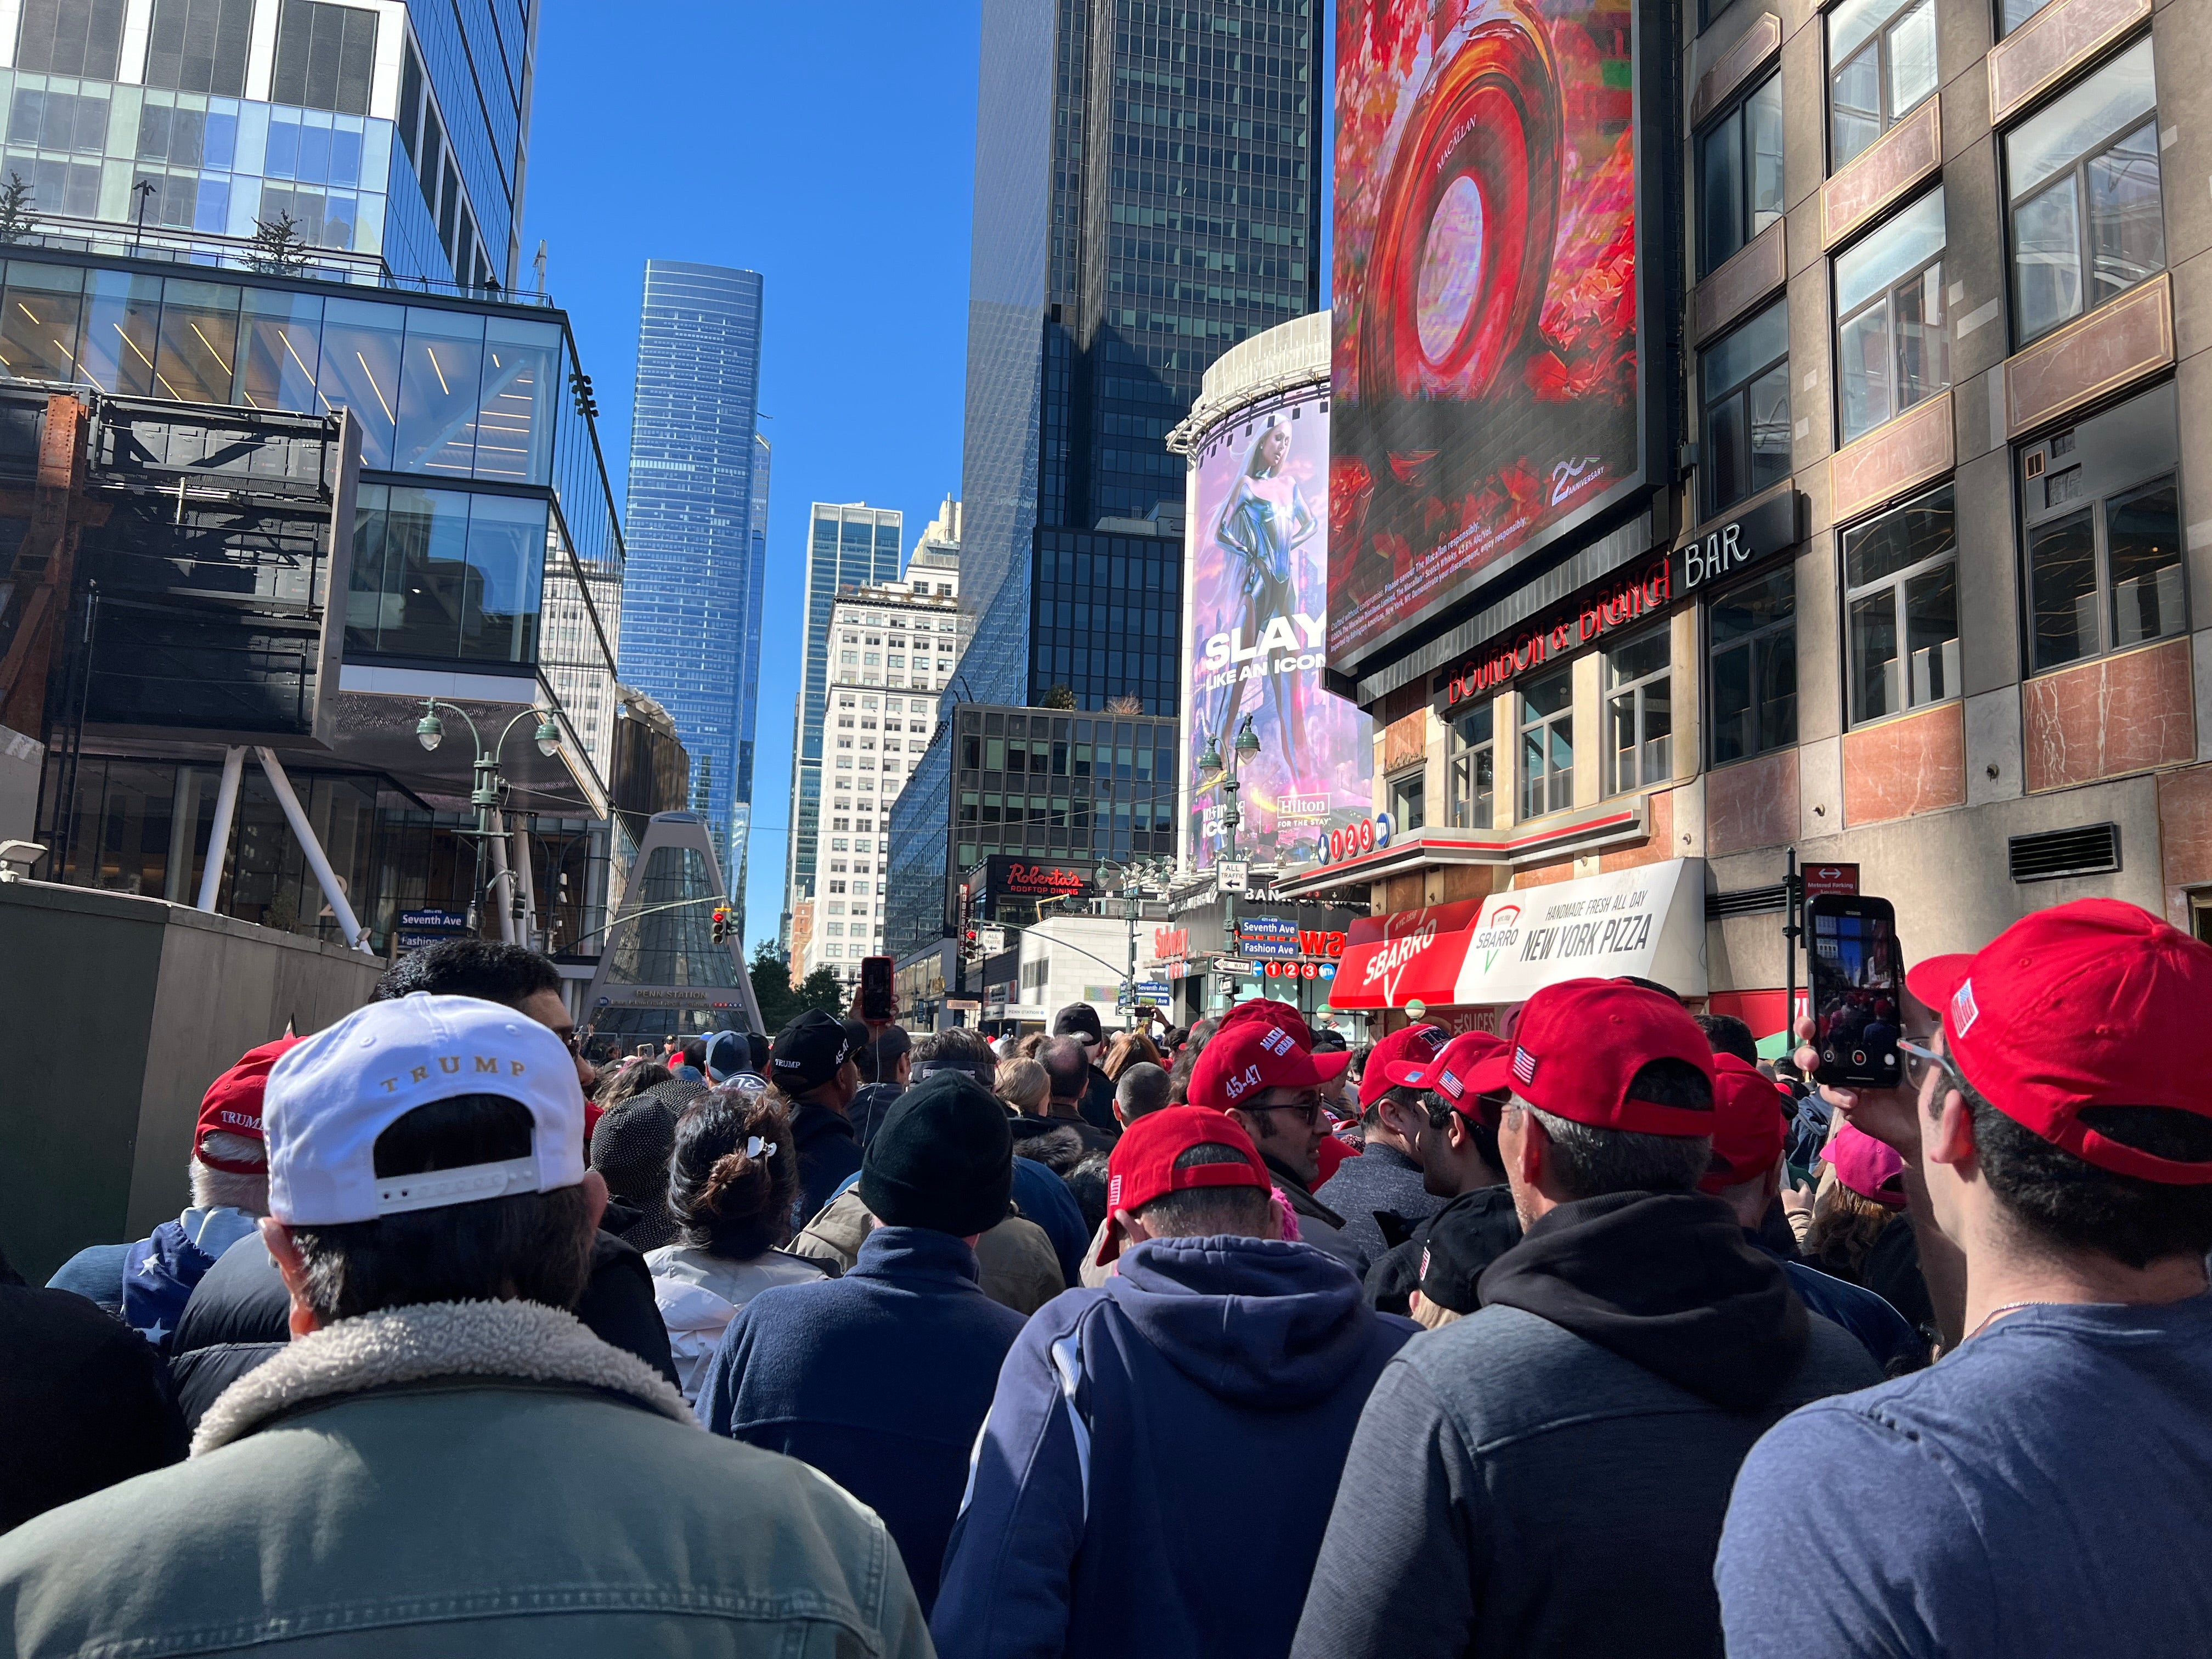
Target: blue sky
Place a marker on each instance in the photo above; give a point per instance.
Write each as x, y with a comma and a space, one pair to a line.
832, 149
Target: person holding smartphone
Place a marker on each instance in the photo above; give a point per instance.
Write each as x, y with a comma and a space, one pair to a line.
2031, 1492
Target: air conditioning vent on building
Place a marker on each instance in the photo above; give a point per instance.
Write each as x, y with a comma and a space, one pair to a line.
1750, 901
2093, 849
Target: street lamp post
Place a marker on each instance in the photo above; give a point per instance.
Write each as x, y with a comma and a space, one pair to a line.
488, 787
1210, 768
1134, 877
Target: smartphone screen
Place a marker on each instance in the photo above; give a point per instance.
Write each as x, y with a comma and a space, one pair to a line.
1857, 1009
876, 987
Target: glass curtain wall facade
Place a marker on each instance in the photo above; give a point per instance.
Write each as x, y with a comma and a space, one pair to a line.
395, 138
848, 546
697, 528
1147, 195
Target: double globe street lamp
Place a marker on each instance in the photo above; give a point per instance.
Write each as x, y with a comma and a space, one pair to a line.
488, 786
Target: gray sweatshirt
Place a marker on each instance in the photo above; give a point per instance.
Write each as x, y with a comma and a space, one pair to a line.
1514, 1489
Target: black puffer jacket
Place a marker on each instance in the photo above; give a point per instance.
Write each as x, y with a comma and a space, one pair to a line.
238, 1317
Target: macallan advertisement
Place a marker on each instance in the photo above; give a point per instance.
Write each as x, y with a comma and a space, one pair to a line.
1486, 338
1259, 611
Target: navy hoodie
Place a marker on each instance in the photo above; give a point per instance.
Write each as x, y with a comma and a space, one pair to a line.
1161, 1455
879, 1379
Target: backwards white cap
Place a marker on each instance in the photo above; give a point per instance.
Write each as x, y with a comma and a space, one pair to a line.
330, 1097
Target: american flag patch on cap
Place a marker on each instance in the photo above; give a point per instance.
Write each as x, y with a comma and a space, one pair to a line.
1964, 1010
1524, 1064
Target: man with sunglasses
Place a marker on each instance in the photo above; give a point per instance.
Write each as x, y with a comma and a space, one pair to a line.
2033, 1491
1261, 1075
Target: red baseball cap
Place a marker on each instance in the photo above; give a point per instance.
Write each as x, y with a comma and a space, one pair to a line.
1747, 1125
1141, 1167
1578, 1044
232, 1105
2079, 1006
1248, 1057
1867, 1166
1449, 1073
1414, 1045
1268, 1012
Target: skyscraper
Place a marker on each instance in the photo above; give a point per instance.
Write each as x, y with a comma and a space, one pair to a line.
198, 119
849, 546
697, 528
1147, 194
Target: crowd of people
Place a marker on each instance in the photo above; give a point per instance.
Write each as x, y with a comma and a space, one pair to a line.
1598, 1334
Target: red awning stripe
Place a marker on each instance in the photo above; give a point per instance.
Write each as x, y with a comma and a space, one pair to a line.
1420, 965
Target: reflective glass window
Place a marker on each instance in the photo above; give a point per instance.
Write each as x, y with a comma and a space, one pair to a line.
515, 408
359, 370
2102, 533
1881, 64
38, 336
280, 338
326, 56
198, 359
1639, 711
200, 45
1752, 631
1740, 174
439, 376
2082, 177
1892, 347
1747, 409
507, 568
1473, 769
1901, 591
122, 324
1548, 745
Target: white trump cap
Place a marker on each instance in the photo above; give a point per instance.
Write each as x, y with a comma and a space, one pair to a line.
331, 1096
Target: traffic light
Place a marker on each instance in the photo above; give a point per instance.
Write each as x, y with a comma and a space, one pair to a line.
721, 926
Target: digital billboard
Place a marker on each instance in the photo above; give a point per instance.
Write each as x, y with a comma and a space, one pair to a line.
1486, 330
1259, 614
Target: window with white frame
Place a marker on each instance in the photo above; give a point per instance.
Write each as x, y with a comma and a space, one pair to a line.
1892, 347
1881, 65
2083, 178
1473, 765
1639, 713
1901, 595
1548, 745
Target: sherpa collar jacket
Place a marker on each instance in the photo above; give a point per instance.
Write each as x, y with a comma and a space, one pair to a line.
466, 1479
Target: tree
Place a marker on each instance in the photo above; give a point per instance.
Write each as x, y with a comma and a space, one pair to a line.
279, 250
771, 980
16, 221
1059, 697
821, 989
1125, 705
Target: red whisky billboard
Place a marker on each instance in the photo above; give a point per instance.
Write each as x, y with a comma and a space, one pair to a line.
1487, 390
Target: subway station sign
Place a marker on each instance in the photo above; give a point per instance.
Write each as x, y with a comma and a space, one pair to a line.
1620, 600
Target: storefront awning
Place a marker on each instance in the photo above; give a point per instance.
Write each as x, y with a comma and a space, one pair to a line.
1648, 922
1645, 923
1412, 956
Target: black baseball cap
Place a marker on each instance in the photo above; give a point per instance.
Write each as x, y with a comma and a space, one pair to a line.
808, 1052
1078, 1019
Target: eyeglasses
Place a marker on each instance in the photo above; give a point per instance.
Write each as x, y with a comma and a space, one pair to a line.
1919, 1061
1306, 1106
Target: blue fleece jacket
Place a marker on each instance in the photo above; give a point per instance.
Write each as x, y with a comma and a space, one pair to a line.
1161, 1456
879, 1379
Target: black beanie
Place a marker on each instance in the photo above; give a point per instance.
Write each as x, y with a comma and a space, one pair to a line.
943, 1159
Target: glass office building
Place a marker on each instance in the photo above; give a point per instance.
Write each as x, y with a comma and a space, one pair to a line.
1040, 786
696, 529
1147, 194
848, 546
393, 135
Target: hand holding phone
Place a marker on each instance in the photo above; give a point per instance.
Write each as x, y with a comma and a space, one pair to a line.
1859, 994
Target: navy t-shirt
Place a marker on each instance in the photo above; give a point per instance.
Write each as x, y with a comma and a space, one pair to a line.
2044, 1490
